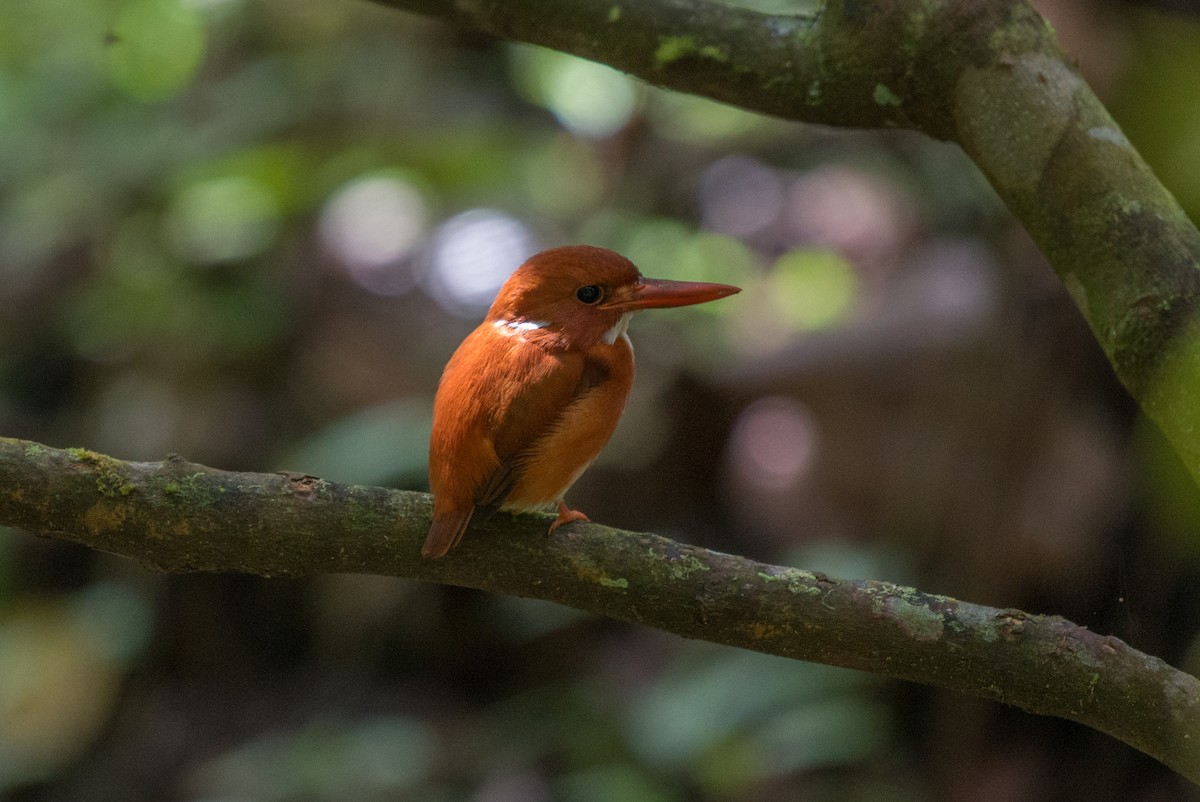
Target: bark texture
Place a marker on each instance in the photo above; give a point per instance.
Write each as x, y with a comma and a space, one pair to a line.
181, 517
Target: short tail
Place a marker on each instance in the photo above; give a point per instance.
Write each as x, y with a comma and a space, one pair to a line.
445, 533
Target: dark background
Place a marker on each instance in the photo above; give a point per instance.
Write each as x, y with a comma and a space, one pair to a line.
252, 231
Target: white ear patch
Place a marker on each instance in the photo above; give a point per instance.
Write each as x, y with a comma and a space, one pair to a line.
618, 330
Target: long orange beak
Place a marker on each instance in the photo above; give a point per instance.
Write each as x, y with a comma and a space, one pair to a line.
650, 293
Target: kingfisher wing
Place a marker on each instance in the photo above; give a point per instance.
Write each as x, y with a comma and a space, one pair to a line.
534, 406
498, 395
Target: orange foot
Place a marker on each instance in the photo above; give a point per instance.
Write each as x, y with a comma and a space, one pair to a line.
566, 515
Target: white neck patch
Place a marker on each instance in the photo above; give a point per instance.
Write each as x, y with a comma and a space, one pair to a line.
617, 331
519, 326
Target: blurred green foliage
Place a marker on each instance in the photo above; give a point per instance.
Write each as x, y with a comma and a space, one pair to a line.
814, 289
1162, 69
62, 662
369, 446
370, 758
154, 47
252, 231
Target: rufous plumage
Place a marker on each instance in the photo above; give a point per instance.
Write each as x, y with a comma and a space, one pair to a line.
534, 393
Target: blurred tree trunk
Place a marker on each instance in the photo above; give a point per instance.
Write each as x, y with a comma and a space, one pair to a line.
181, 517
987, 75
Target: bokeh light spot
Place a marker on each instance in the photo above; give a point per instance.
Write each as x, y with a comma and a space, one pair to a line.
774, 443
813, 289
654, 246
470, 257
851, 211
589, 99
155, 48
371, 224
222, 220
740, 196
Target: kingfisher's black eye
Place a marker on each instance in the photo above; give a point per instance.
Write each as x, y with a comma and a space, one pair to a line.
590, 294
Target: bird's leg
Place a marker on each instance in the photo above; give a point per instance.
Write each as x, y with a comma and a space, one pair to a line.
566, 515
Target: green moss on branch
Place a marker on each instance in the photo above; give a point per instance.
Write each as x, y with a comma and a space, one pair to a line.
183, 517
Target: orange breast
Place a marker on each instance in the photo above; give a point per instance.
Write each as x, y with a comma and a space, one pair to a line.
565, 450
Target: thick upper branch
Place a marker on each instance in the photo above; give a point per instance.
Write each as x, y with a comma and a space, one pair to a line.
178, 516
868, 65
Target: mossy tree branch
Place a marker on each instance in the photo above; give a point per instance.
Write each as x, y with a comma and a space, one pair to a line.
986, 74
180, 517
